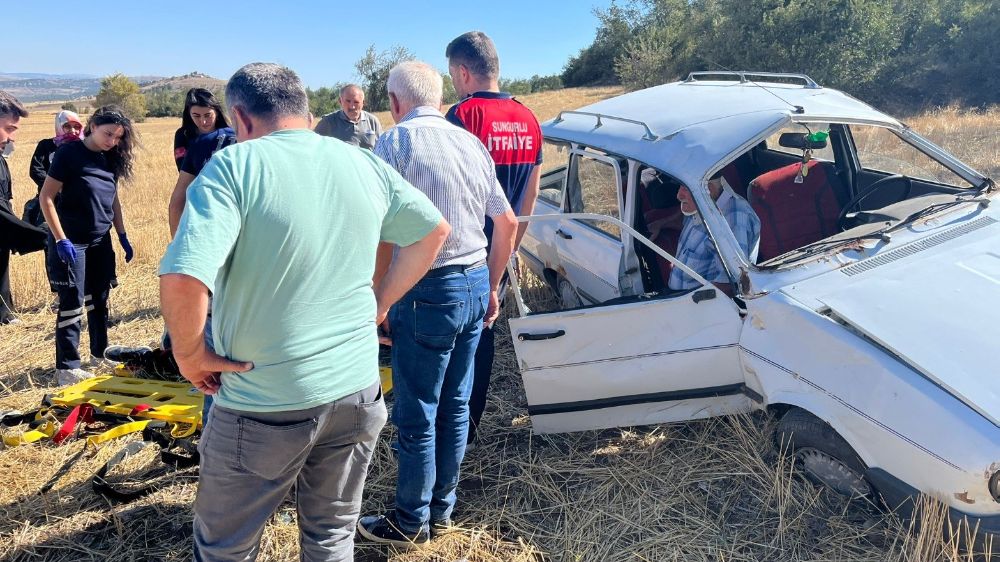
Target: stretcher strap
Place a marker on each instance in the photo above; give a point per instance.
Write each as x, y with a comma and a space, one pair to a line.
119, 431
44, 431
81, 413
177, 454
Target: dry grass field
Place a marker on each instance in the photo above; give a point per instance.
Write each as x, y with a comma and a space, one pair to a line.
715, 490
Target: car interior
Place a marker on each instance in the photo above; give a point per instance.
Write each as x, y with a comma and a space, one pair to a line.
856, 168
861, 168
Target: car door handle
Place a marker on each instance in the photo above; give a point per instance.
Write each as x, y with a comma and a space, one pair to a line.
539, 337
703, 295
564, 234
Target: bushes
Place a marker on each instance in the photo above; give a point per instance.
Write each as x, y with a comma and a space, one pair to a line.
914, 52
165, 102
533, 85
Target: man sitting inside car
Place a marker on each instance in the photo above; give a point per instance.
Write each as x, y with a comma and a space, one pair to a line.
696, 249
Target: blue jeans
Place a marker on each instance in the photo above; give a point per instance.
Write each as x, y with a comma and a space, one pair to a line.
435, 331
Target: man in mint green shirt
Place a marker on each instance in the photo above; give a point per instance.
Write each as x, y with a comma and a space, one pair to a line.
283, 229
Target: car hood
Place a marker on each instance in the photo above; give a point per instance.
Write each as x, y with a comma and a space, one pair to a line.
934, 303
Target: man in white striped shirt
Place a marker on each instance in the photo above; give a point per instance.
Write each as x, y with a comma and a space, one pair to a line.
435, 328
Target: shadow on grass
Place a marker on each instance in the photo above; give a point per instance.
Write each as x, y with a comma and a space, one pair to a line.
125, 533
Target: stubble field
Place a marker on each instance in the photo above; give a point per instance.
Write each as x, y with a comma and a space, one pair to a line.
714, 490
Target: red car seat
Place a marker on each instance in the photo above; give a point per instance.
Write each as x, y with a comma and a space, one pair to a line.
795, 214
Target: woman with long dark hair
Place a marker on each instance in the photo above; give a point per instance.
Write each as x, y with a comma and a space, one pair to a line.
81, 260
202, 114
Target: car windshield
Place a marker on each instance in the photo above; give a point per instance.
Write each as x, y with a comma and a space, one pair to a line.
860, 182
880, 150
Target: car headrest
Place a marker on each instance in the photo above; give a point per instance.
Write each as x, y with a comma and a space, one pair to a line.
800, 141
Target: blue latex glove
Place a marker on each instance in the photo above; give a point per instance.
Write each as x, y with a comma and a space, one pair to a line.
129, 252
66, 251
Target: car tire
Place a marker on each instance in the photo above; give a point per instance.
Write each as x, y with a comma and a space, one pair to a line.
822, 455
568, 297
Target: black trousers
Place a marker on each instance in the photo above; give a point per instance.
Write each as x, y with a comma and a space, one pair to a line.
6, 299
83, 288
481, 381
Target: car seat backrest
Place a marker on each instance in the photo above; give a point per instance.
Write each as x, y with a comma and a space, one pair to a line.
657, 199
795, 214
735, 179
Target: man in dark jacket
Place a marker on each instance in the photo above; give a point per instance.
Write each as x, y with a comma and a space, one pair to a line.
15, 235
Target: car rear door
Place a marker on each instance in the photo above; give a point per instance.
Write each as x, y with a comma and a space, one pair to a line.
646, 360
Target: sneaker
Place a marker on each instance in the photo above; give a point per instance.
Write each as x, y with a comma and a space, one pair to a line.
383, 529
101, 363
443, 527
72, 376
124, 353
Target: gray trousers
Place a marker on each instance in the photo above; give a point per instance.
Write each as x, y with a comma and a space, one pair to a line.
250, 460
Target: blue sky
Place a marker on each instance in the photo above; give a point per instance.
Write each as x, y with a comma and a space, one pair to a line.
320, 40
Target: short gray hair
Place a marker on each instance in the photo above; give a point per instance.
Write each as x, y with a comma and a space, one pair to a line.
475, 51
267, 91
416, 83
10, 107
349, 87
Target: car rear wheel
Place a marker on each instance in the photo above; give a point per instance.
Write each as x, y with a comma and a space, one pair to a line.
568, 298
822, 454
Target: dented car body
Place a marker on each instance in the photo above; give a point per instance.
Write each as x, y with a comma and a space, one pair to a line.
871, 305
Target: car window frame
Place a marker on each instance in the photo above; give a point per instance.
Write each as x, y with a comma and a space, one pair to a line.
566, 148
577, 152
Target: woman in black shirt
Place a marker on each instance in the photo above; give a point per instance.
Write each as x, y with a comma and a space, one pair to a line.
202, 114
81, 260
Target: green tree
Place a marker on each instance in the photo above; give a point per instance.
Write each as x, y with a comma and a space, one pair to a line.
545, 83
595, 64
164, 102
449, 96
69, 106
324, 100
120, 90
373, 69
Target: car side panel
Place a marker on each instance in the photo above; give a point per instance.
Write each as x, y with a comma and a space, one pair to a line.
893, 417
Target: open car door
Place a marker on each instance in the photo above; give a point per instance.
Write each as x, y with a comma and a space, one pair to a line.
633, 361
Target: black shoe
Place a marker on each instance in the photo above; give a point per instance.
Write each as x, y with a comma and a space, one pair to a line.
442, 527
384, 529
124, 354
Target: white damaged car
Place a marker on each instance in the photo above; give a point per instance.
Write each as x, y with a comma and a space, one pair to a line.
867, 315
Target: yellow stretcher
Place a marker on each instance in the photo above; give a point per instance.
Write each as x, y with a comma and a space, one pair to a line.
385, 375
176, 402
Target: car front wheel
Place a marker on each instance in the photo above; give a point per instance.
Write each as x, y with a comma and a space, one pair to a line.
822, 454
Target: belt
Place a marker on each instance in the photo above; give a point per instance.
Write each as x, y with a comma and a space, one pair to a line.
449, 269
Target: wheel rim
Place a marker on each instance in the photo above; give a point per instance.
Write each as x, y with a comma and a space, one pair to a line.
832, 472
567, 295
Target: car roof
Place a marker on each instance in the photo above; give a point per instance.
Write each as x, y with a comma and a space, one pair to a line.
698, 123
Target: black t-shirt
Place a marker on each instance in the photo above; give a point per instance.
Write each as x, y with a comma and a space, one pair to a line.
85, 206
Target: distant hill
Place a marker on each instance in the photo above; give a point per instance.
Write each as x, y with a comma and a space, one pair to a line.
183, 83
29, 87
36, 87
